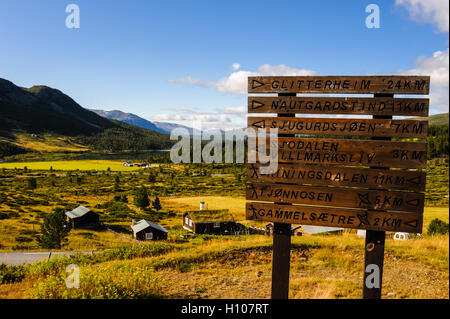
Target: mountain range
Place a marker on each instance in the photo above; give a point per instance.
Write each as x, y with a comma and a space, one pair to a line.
130, 118
43, 110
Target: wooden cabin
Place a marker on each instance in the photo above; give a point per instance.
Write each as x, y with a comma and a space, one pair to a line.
83, 218
145, 230
312, 230
217, 222
255, 230
301, 230
297, 230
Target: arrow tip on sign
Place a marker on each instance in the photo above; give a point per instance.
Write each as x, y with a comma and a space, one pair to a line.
256, 84
412, 223
256, 105
415, 180
413, 202
260, 124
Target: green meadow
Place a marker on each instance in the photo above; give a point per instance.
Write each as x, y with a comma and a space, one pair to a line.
194, 266
82, 165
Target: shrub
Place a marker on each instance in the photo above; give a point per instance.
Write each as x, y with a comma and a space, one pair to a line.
23, 239
157, 204
116, 209
31, 182
28, 232
56, 265
121, 198
437, 227
88, 235
104, 282
10, 274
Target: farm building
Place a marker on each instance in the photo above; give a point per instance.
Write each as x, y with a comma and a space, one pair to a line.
295, 231
256, 230
305, 230
83, 218
146, 230
311, 230
143, 165
218, 222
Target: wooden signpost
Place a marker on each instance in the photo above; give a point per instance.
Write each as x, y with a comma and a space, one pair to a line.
344, 127
327, 177
341, 105
350, 152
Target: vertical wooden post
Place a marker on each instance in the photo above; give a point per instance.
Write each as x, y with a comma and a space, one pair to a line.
281, 244
374, 244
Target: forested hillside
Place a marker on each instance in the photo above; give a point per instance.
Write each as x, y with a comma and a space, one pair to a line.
437, 141
43, 110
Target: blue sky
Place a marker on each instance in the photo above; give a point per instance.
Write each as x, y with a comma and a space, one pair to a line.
173, 60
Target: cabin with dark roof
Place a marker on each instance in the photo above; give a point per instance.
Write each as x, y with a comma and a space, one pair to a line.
302, 230
312, 230
83, 218
146, 230
217, 222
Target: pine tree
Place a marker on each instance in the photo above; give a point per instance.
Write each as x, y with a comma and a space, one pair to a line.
151, 177
156, 204
54, 230
32, 184
141, 198
117, 184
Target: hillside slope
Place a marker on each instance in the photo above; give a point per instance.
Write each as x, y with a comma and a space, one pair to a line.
436, 119
44, 110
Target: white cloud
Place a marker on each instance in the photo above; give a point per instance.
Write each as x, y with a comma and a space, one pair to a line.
233, 110
436, 66
439, 100
236, 65
236, 82
225, 118
203, 117
428, 11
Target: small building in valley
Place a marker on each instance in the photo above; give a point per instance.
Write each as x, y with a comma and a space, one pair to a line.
83, 218
146, 230
217, 222
311, 230
301, 230
256, 230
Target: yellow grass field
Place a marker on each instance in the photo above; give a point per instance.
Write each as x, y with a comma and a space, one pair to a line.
82, 165
321, 267
47, 143
236, 205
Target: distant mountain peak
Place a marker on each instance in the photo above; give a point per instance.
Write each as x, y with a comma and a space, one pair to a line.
130, 118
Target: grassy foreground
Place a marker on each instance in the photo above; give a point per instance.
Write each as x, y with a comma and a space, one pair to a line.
240, 267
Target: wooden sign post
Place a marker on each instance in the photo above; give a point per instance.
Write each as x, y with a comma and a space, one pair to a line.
324, 178
374, 245
281, 245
